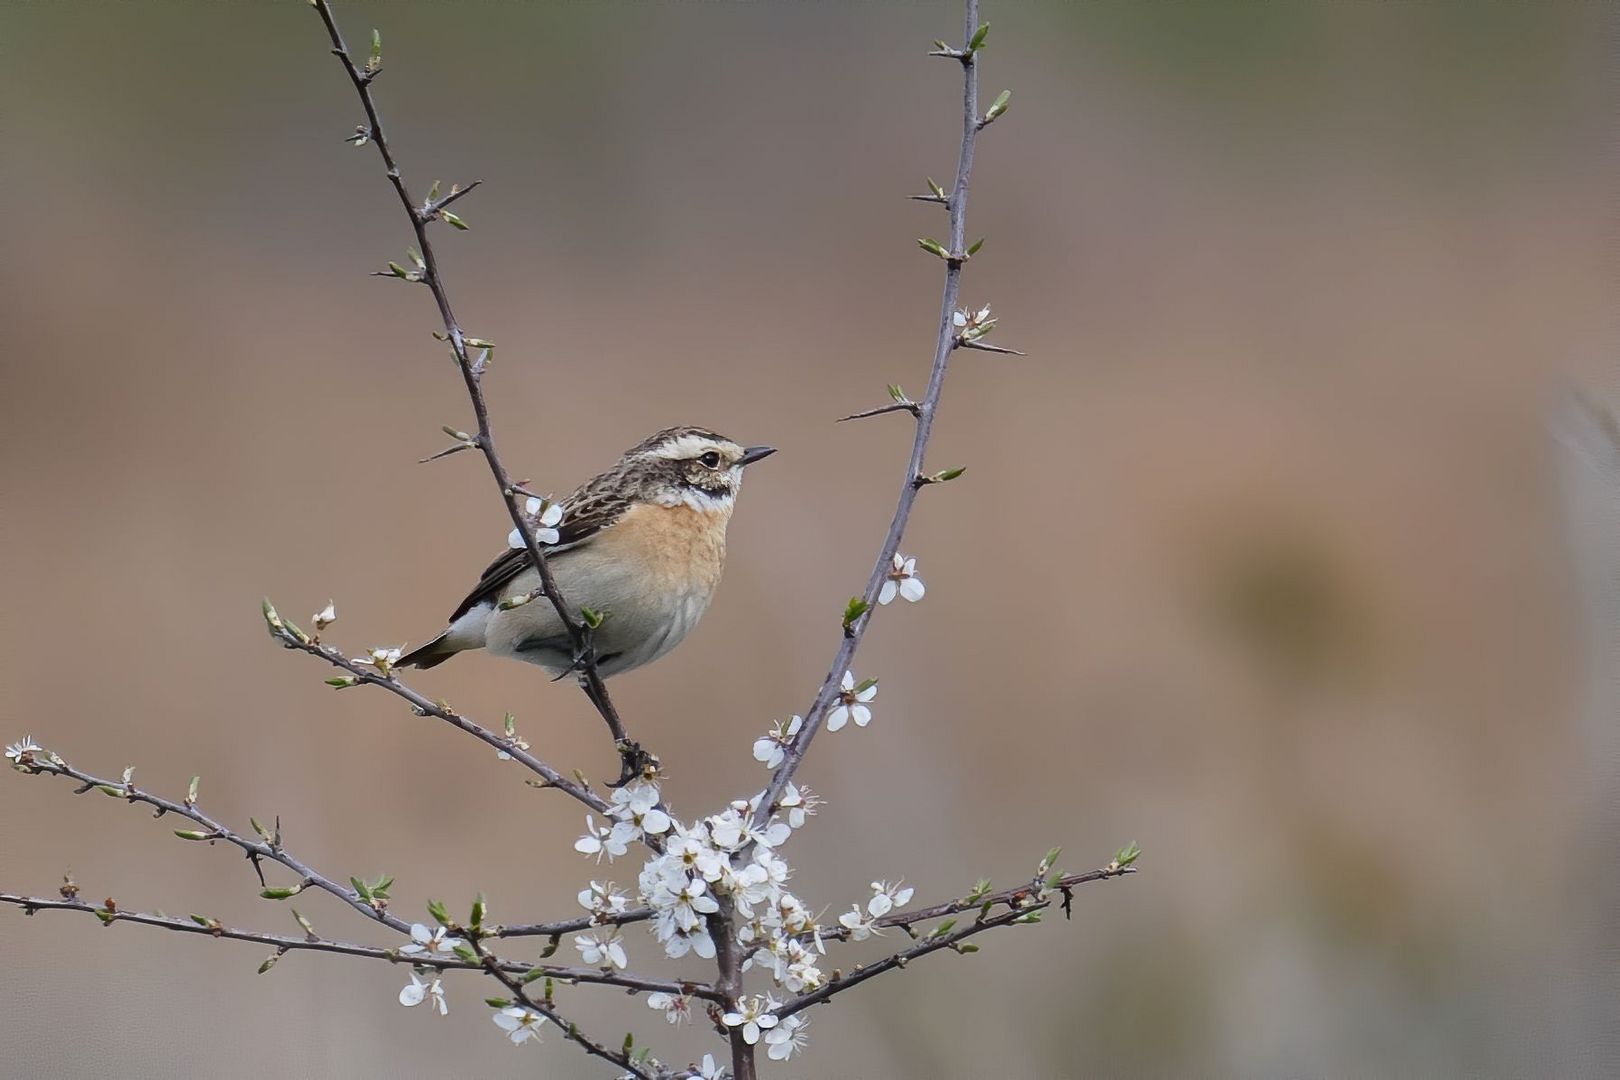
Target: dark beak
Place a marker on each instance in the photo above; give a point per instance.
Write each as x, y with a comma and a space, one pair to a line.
754, 453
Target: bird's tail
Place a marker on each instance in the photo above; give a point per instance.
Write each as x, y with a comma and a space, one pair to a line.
432, 654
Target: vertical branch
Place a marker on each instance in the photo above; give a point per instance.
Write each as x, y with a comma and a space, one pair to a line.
923, 411
472, 376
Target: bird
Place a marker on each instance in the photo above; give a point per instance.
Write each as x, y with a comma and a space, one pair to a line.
642, 543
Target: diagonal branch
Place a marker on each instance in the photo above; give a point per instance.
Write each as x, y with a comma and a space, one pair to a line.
472, 374
924, 412
313, 943
1021, 904
293, 638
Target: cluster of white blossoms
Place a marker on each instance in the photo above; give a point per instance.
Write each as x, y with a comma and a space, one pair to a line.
862, 923
543, 517
634, 815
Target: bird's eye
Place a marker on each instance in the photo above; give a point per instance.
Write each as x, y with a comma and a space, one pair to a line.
711, 460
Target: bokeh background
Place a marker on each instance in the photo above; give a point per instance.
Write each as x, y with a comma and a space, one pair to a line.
1260, 558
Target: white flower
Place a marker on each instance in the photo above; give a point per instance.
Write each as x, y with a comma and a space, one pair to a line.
324, 617
754, 1015
973, 324
735, 829
424, 940
858, 923
543, 522
786, 1038
520, 1024
771, 747
637, 806
799, 803
601, 841
903, 580
852, 703
599, 953
15, 752
886, 897
708, 1070
695, 941
380, 658
416, 991
676, 1007
603, 901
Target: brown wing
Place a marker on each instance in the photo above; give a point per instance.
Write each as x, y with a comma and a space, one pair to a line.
585, 514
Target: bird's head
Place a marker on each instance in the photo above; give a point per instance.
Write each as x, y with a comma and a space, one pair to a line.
690, 466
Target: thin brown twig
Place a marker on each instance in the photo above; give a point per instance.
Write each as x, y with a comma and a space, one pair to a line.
572, 926
471, 373
898, 406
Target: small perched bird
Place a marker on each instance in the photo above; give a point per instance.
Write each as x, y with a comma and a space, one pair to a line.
643, 543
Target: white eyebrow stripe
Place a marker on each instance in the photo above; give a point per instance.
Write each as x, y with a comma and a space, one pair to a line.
690, 446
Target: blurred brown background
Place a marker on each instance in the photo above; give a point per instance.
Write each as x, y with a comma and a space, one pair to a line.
1258, 559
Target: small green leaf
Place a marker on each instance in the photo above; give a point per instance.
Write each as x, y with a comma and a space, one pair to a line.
453, 221
436, 909
343, 682
979, 35
374, 61
478, 910
977, 244
510, 724
550, 950
967, 947
305, 923
269, 962
271, 619
531, 975
1128, 854
898, 394
259, 828
938, 191
433, 192
105, 916
497, 1003
191, 834
592, 618
945, 475
398, 270
866, 684
854, 610
200, 920
933, 247
191, 791
360, 888
278, 892
466, 954
108, 789
944, 928
998, 106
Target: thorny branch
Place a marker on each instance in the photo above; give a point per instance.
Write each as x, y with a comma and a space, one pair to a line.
294, 638
1020, 903
955, 201
472, 372
726, 998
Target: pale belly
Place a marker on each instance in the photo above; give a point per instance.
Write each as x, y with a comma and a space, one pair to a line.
652, 600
